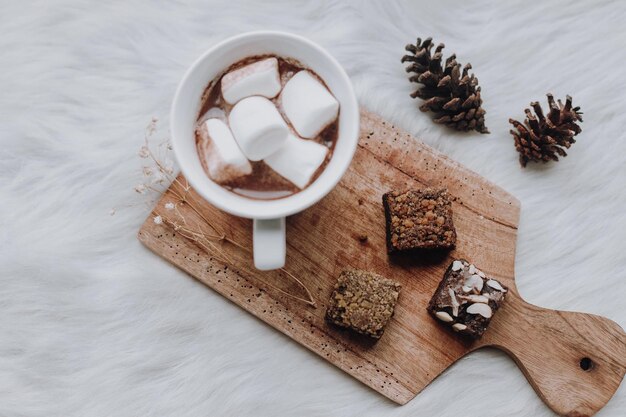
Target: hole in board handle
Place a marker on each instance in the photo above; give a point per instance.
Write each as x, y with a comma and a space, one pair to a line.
586, 364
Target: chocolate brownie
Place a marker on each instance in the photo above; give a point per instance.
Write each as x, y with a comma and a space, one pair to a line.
419, 219
466, 299
363, 301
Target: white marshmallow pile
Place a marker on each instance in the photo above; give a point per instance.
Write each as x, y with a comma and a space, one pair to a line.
225, 160
259, 132
260, 78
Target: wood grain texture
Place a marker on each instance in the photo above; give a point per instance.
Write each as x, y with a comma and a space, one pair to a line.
323, 240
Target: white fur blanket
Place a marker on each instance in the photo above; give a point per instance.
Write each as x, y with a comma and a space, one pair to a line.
93, 324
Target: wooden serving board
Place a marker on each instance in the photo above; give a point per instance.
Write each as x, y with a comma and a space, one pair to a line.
551, 347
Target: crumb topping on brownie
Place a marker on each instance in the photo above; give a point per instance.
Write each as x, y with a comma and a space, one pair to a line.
363, 301
419, 219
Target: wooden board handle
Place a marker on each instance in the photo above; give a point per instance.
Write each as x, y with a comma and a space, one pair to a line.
581, 360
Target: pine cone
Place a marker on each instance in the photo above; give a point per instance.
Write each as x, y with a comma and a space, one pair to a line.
451, 94
543, 138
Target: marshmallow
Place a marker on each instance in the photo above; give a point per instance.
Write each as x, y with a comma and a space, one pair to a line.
225, 160
297, 160
260, 78
308, 105
215, 113
258, 127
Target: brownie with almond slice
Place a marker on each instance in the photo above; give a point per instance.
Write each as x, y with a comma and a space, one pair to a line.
466, 299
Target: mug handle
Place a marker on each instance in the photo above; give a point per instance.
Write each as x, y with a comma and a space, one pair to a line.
269, 243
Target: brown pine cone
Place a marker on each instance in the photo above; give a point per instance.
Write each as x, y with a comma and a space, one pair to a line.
542, 138
451, 94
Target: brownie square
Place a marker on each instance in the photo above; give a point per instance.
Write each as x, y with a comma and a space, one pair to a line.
363, 301
419, 219
466, 299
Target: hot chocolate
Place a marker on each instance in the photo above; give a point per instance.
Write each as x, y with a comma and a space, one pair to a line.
267, 127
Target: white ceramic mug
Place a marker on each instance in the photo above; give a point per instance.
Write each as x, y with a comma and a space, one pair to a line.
269, 238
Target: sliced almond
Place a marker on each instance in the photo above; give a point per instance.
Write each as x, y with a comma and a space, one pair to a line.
458, 327
480, 308
478, 298
495, 285
472, 269
481, 273
443, 316
457, 265
474, 281
455, 302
